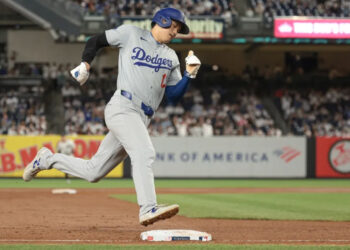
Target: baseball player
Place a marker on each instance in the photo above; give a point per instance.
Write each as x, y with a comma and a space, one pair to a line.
66, 146
148, 70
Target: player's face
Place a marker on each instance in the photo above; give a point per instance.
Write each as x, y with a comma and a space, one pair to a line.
166, 35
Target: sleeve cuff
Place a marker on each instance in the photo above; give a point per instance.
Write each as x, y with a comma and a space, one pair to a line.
186, 74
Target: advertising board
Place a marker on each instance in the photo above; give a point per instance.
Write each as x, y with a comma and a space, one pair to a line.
303, 27
242, 157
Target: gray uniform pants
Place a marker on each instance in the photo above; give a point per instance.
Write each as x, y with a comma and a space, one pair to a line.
127, 135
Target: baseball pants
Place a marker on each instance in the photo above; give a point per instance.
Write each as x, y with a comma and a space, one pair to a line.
127, 135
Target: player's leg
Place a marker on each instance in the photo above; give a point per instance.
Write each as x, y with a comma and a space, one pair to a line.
109, 154
131, 131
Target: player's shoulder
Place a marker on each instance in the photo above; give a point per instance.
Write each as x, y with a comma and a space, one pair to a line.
130, 28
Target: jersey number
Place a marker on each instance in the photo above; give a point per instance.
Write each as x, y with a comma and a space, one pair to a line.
163, 85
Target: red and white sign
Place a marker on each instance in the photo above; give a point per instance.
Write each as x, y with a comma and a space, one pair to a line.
339, 156
297, 27
287, 153
332, 157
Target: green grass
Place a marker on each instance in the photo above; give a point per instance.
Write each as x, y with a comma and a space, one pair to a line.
290, 206
273, 206
171, 247
169, 183
264, 206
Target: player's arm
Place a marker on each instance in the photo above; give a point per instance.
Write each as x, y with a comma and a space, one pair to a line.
175, 92
81, 72
92, 46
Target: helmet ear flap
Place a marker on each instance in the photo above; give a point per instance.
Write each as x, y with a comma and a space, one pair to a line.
164, 22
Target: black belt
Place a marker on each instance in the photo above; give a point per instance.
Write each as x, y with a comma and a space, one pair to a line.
147, 110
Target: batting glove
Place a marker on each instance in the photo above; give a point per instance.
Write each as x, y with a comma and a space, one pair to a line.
192, 64
80, 73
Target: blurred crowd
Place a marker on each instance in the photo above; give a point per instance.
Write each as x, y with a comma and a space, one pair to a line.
21, 111
196, 116
314, 112
309, 105
84, 109
205, 111
268, 9
114, 9
148, 7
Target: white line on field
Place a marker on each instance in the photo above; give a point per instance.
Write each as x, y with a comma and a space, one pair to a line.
291, 241
77, 240
128, 241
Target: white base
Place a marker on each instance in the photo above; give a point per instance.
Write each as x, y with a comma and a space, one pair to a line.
64, 191
175, 235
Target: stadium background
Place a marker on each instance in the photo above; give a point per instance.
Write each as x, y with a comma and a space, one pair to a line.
261, 106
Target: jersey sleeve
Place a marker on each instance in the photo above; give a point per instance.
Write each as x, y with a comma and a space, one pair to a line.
175, 74
120, 35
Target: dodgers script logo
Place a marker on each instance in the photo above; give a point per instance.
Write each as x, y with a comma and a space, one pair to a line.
152, 62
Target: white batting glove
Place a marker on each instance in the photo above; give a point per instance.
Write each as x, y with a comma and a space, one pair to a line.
192, 64
80, 73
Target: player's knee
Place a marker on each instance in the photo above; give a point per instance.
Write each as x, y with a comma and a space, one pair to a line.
92, 171
93, 179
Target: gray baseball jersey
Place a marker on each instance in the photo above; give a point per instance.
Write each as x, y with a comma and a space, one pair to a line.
145, 66
145, 69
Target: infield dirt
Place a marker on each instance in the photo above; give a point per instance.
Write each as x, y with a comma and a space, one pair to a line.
92, 216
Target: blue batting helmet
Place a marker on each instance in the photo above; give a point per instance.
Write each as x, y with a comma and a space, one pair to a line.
164, 16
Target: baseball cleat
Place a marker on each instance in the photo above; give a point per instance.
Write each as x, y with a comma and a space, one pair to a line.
159, 212
38, 163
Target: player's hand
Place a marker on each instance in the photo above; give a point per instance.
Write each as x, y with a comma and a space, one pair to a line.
192, 64
81, 73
